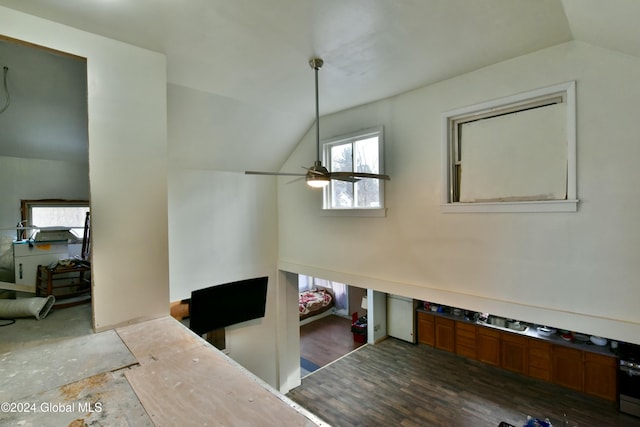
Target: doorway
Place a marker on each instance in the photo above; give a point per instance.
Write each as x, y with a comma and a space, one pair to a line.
326, 336
44, 155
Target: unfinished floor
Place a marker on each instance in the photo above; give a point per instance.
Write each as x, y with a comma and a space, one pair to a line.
57, 372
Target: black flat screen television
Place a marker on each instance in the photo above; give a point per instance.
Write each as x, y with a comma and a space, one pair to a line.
223, 305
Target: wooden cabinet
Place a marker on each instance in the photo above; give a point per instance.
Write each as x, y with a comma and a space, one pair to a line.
567, 368
585, 371
445, 334
539, 359
488, 348
600, 375
426, 329
514, 353
466, 339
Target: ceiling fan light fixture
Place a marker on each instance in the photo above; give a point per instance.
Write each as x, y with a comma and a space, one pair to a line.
317, 181
317, 176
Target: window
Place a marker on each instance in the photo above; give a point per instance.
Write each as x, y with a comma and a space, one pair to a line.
359, 152
54, 213
515, 154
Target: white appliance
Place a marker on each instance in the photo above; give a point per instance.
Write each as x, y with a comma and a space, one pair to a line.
401, 321
29, 255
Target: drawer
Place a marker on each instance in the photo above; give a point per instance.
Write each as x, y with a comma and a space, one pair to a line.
539, 349
466, 327
601, 359
516, 339
539, 353
42, 248
426, 317
489, 332
444, 322
466, 334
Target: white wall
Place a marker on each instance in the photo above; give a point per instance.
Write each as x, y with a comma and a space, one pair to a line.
127, 167
288, 331
572, 270
376, 316
223, 229
222, 225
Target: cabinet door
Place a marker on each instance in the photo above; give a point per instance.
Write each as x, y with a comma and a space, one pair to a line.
539, 359
567, 367
600, 375
426, 329
466, 339
445, 334
514, 353
488, 346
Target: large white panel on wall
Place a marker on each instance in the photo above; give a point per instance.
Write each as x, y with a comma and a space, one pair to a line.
515, 157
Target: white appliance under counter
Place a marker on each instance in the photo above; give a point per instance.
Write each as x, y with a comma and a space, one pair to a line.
401, 321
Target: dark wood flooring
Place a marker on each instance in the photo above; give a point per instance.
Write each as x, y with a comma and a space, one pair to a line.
395, 383
326, 339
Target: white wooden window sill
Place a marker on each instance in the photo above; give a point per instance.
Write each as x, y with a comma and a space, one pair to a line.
354, 212
533, 206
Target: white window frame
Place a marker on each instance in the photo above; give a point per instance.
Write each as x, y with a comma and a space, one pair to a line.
326, 194
27, 205
564, 92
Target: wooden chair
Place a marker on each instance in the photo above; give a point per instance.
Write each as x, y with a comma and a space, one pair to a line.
72, 281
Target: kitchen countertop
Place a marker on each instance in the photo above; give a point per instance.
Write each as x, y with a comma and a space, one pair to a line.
532, 332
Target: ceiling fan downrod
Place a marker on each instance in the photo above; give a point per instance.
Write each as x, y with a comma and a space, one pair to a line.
316, 64
317, 175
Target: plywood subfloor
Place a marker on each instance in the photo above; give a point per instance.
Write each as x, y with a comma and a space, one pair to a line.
182, 379
150, 373
105, 399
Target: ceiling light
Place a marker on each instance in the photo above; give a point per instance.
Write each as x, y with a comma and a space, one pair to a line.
317, 176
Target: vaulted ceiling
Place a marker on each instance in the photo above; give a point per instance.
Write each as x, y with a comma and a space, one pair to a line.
253, 53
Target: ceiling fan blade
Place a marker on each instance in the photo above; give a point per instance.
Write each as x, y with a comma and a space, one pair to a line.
273, 173
343, 178
338, 175
295, 180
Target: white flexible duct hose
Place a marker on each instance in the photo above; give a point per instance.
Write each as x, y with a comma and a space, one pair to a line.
38, 307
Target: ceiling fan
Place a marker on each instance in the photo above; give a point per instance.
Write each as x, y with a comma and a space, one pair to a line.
317, 175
